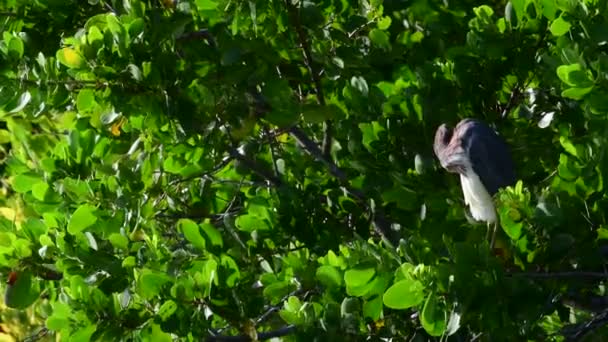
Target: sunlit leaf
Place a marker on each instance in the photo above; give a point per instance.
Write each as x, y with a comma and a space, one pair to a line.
192, 233
404, 294
559, 27
82, 218
432, 317
329, 276
71, 58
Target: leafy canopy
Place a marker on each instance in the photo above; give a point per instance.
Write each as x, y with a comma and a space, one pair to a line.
194, 169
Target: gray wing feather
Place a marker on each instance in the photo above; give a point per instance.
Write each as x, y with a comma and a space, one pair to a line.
489, 155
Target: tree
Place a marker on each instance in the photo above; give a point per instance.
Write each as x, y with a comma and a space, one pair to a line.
231, 170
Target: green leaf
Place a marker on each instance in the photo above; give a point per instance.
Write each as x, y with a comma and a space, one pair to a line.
576, 93
116, 28
384, 23
432, 317
372, 308
156, 334
574, 75
166, 310
230, 270
86, 100
39, 190
404, 294
150, 283
95, 36
568, 146
25, 182
329, 276
16, 47
602, 233
250, 223
128, 262
360, 84
549, 8
371, 133
566, 169
136, 27
82, 218
20, 103
276, 291
206, 5
519, 7
404, 198
71, 58
291, 312
119, 241
597, 101
34, 228
22, 293
380, 38
83, 334
280, 96
214, 235
313, 113
192, 233
559, 27
510, 222
359, 276
60, 318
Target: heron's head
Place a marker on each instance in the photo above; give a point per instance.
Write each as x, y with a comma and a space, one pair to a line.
449, 153
442, 139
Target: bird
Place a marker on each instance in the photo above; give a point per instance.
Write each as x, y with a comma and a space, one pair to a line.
482, 159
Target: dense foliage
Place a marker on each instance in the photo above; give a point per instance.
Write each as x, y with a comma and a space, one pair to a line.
197, 169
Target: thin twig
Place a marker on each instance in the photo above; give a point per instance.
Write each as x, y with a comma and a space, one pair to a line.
356, 30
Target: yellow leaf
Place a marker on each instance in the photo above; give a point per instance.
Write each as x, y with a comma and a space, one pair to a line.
115, 129
70, 58
12, 214
283, 138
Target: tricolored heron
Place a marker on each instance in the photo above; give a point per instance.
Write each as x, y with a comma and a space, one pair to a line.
483, 160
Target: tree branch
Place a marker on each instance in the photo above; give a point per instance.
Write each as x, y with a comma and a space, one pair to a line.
314, 73
266, 335
380, 223
256, 168
576, 332
204, 34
